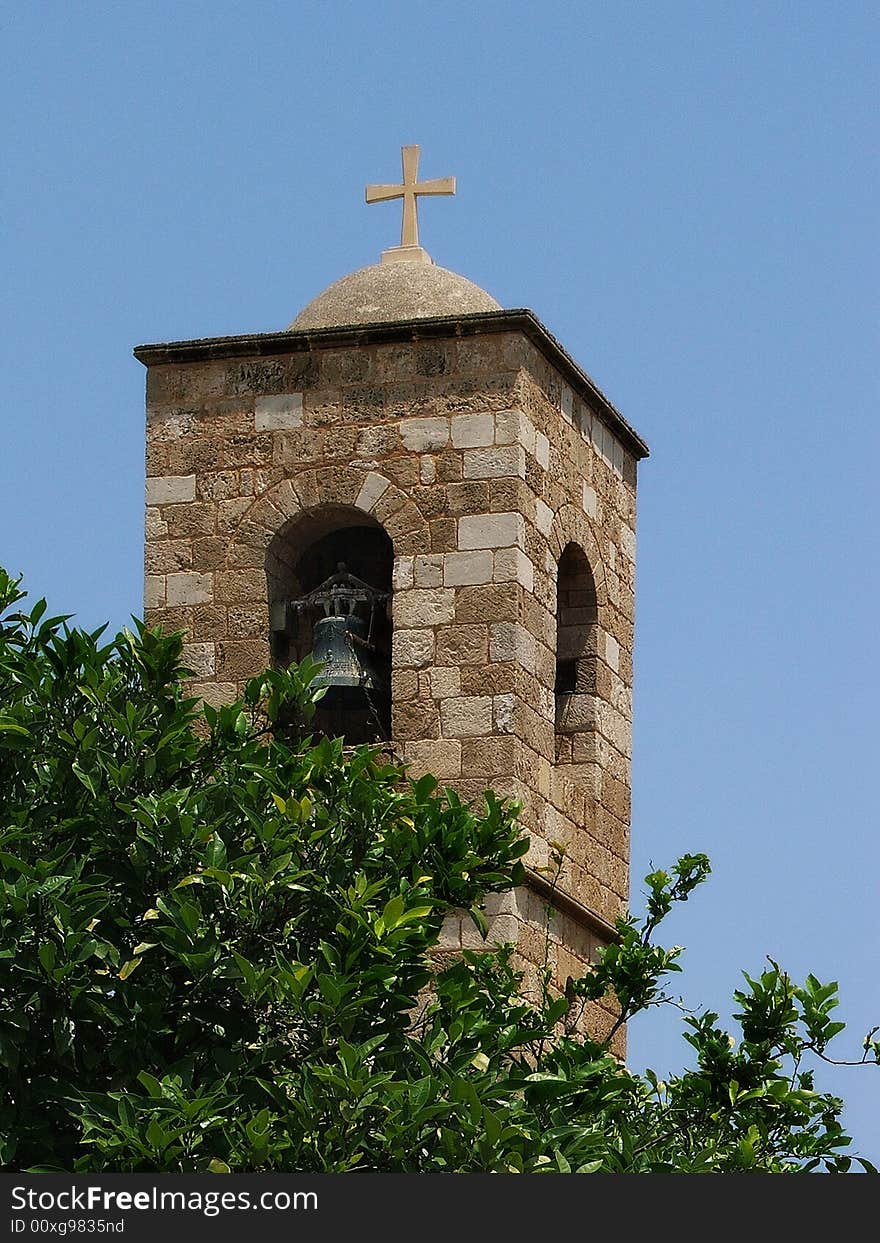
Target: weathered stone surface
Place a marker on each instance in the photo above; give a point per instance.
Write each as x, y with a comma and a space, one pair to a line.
471, 431
374, 486
412, 648
471, 497
513, 565
490, 531
440, 756
240, 659
171, 489
486, 757
494, 463
189, 588
465, 716
154, 591
278, 412
463, 569
199, 658
462, 645
492, 603
421, 608
424, 435
428, 570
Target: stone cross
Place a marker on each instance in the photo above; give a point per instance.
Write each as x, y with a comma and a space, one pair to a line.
409, 191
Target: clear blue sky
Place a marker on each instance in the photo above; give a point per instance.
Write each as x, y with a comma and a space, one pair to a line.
685, 193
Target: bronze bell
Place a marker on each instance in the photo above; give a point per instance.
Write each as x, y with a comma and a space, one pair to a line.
357, 683
340, 642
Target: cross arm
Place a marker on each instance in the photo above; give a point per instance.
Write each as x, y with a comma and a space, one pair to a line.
378, 194
440, 185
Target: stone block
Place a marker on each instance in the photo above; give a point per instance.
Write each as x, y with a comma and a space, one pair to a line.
527, 434
376, 442
504, 713
246, 621
440, 756
209, 553
427, 470
411, 543
189, 587
230, 513
612, 652
488, 756
494, 463
615, 728
191, 518
449, 467
199, 658
542, 450
566, 402
486, 679
214, 693
430, 500
278, 413
443, 534
242, 658
171, 489
543, 517
406, 684
462, 645
503, 930
239, 586
509, 641
166, 556
403, 573
589, 500
508, 427
373, 487
513, 565
154, 527
471, 497
424, 435
491, 603
416, 719
465, 569
154, 591
412, 649
417, 608
428, 569
466, 716
445, 682
506, 903
491, 531
470, 431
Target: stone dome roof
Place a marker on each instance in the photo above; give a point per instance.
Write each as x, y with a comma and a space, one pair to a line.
398, 290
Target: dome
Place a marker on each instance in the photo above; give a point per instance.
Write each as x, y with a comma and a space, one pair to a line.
387, 291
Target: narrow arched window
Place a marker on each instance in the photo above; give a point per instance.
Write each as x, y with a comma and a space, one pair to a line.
329, 579
576, 636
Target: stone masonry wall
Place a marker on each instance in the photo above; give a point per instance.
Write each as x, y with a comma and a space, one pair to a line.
482, 464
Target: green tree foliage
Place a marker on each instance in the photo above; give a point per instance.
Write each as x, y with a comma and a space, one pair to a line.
215, 954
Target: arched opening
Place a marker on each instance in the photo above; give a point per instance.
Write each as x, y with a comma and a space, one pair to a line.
576, 636
329, 586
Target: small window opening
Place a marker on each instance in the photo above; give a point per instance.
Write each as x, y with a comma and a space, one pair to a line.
576, 632
329, 577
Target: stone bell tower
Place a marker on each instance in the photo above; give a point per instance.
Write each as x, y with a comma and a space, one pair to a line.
453, 460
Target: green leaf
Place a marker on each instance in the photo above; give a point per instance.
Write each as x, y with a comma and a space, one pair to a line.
151, 1083
46, 954
85, 778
